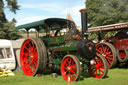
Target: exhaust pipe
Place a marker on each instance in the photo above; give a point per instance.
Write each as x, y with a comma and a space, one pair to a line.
84, 17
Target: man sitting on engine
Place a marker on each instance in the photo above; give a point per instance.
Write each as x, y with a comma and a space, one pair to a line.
52, 34
73, 34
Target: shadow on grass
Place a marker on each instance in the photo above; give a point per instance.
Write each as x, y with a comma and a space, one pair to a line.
47, 72
122, 65
83, 75
86, 74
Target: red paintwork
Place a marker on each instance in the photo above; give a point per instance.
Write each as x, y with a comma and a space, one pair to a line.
68, 69
107, 52
122, 54
109, 27
121, 44
120, 41
98, 68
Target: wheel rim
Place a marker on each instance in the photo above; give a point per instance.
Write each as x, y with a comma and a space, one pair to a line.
29, 57
122, 54
106, 52
97, 69
69, 69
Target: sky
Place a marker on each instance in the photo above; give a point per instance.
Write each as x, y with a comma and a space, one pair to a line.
34, 10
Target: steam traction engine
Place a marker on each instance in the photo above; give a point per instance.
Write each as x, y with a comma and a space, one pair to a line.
113, 48
61, 51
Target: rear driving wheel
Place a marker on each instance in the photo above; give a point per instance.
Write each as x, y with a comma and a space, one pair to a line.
32, 57
108, 51
70, 68
98, 67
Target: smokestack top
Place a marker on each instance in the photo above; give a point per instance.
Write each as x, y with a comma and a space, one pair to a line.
83, 10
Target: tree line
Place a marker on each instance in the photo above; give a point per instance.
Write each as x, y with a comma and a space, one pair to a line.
100, 12
106, 12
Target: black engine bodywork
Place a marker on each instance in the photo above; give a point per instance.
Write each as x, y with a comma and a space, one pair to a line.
87, 49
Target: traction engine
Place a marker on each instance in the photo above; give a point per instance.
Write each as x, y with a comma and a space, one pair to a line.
113, 48
61, 52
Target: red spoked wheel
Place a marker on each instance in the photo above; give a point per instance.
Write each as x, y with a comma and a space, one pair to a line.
108, 51
32, 56
98, 67
122, 55
70, 68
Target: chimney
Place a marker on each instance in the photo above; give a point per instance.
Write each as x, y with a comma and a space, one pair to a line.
84, 16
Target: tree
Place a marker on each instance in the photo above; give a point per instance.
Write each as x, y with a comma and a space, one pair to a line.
9, 32
106, 12
7, 29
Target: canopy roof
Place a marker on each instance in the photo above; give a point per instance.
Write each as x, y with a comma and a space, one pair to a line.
120, 26
53, 23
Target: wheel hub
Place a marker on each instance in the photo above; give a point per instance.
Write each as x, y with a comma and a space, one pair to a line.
97, 66
68, 68
103, 55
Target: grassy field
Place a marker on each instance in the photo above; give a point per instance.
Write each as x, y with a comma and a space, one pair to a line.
115, 77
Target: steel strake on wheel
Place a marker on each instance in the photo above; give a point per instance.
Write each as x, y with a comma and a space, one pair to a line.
108, 51
98, 67
70, 68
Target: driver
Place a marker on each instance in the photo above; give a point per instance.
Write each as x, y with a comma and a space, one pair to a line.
73, 34
77, 37
52, 34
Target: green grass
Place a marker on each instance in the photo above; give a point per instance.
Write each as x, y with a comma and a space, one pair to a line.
115, 77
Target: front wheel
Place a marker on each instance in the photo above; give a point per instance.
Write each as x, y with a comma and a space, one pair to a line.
98, 67
70, 68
